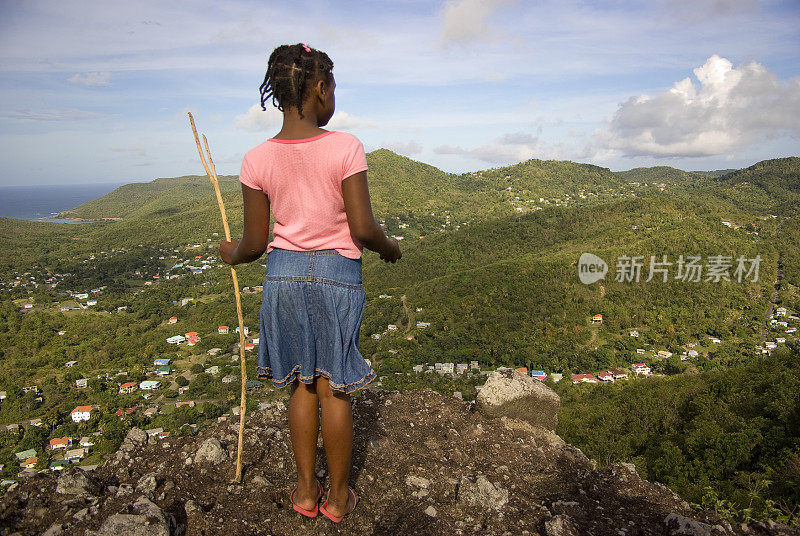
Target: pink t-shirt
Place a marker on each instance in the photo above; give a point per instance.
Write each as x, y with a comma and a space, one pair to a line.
303, 181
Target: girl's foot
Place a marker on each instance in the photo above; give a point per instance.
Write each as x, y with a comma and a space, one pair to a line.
306, 498
335, 511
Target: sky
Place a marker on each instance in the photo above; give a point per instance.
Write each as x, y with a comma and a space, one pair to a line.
98, 91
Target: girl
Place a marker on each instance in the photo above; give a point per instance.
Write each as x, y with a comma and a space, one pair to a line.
315, 182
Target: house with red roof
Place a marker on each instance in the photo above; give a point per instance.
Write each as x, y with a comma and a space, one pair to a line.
128, 387
60, 443
222, 330
122, 413
605, 377
588, 378
81, 413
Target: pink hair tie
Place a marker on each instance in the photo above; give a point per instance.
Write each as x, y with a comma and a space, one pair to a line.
306, 47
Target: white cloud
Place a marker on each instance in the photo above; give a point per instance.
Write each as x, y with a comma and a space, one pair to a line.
256, 119
729, 109
507, 149
91, 79
345, 121
411, 147
464, 21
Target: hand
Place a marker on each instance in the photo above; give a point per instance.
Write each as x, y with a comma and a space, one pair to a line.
226, 249
394, 252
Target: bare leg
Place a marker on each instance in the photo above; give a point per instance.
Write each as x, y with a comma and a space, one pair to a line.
303, 427
337, 436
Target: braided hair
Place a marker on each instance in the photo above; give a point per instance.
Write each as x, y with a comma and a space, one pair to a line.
291, 71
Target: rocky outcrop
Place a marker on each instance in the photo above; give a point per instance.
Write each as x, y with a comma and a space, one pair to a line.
509, 393
423, 465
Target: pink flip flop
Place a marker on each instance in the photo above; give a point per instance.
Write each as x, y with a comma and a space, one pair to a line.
307, 513
337, 519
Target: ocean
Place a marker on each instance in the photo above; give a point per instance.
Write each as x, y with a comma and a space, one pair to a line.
38, 203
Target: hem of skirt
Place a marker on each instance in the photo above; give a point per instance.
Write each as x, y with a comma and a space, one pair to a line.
265, 373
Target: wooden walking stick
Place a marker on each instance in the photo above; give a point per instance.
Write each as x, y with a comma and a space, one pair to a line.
212, 175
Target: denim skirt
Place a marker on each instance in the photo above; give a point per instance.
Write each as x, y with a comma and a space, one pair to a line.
310, 320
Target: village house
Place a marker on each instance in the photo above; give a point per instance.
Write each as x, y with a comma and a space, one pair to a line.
128, 387
75, 454
164, 370
35, 422
70, 364
664, 354
392, 327
578, 378
176, 339
81, 413
523, 370
183, 389
253, 384
634, 333
172, 320
25, 454
421, 325
82, 383
640, 350
780, 311
418, 368
640, 368
474, 365
150, 412
86, 442
149, 385
122, 413
376, 336
249, 347
57, 465
222, 330
60, 443
246, 330
153, 432
605, 377
30, 463
538, 375
162, 361
230, 378
461, 368
618, 374
597, 319
189, 403
212, 370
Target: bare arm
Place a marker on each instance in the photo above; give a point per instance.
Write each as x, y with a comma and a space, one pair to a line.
362, 223
256, 230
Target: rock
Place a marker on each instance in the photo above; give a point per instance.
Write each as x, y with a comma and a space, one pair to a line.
513, 394
430, 511
191, 507
144, 519
55, 530
679, 525
147, 485
560, 525
74, 481
124, 489
136, 439
211, 451
571, 508
417, 481
481, 492
259, 480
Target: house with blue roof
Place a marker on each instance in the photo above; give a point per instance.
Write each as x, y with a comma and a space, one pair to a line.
162, 361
